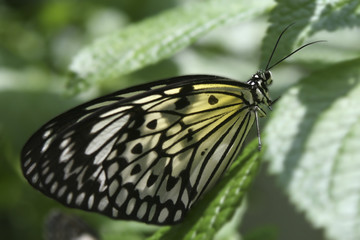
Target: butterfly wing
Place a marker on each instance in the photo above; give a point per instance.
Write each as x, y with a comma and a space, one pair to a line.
146, 153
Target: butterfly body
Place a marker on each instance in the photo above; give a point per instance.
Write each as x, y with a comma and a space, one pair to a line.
149, 152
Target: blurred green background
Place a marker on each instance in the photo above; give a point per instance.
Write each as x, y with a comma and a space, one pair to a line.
38, 40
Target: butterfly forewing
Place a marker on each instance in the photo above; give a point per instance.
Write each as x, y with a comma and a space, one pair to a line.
145, 153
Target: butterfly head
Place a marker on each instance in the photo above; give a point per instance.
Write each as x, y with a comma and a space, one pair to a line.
259, 83
261, 79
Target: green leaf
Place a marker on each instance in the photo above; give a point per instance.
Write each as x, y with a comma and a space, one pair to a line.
267, 232
157, 38
346, 10
218, 206
312, 143
308, 17
286, 13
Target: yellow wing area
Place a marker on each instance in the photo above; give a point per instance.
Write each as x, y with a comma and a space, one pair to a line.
198, 133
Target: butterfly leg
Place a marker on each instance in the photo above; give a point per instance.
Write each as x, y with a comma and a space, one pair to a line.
258, 129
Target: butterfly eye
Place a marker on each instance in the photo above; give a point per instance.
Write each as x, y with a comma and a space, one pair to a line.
267, 77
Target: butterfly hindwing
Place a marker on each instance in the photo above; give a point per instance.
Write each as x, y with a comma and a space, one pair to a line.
146, 153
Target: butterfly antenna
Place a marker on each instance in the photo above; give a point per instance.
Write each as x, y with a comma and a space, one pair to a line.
276, 44
293, 53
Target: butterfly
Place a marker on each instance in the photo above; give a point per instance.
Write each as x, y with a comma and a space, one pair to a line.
149, 152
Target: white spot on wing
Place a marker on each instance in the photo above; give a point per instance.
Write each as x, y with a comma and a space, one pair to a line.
84, 116
116, 110
160, 165
64, 143
49, 178
80, 198
67, 169
27, 162
163, 215
45, 163
152, 212
148, 99
53, 187
69, 134
130, 206
114, 186
112, 170
142, 210
103, 203
101, 180
173, 130
104, 152
103, 123
145, 161
80, 177
178, 215
121, 197
45, 170
113, 154
115, 212
144, 190
106, 134
47, 133
46, 145
30, 169
195, 169
66, 154
173, 194
185, 198
180, 162
69, 198
172, 91
35, 178
91, 201
61, 191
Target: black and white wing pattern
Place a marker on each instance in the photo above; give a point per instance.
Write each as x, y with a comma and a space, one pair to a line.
146, 153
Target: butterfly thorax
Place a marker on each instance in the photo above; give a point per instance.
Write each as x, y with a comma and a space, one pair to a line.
259, 83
